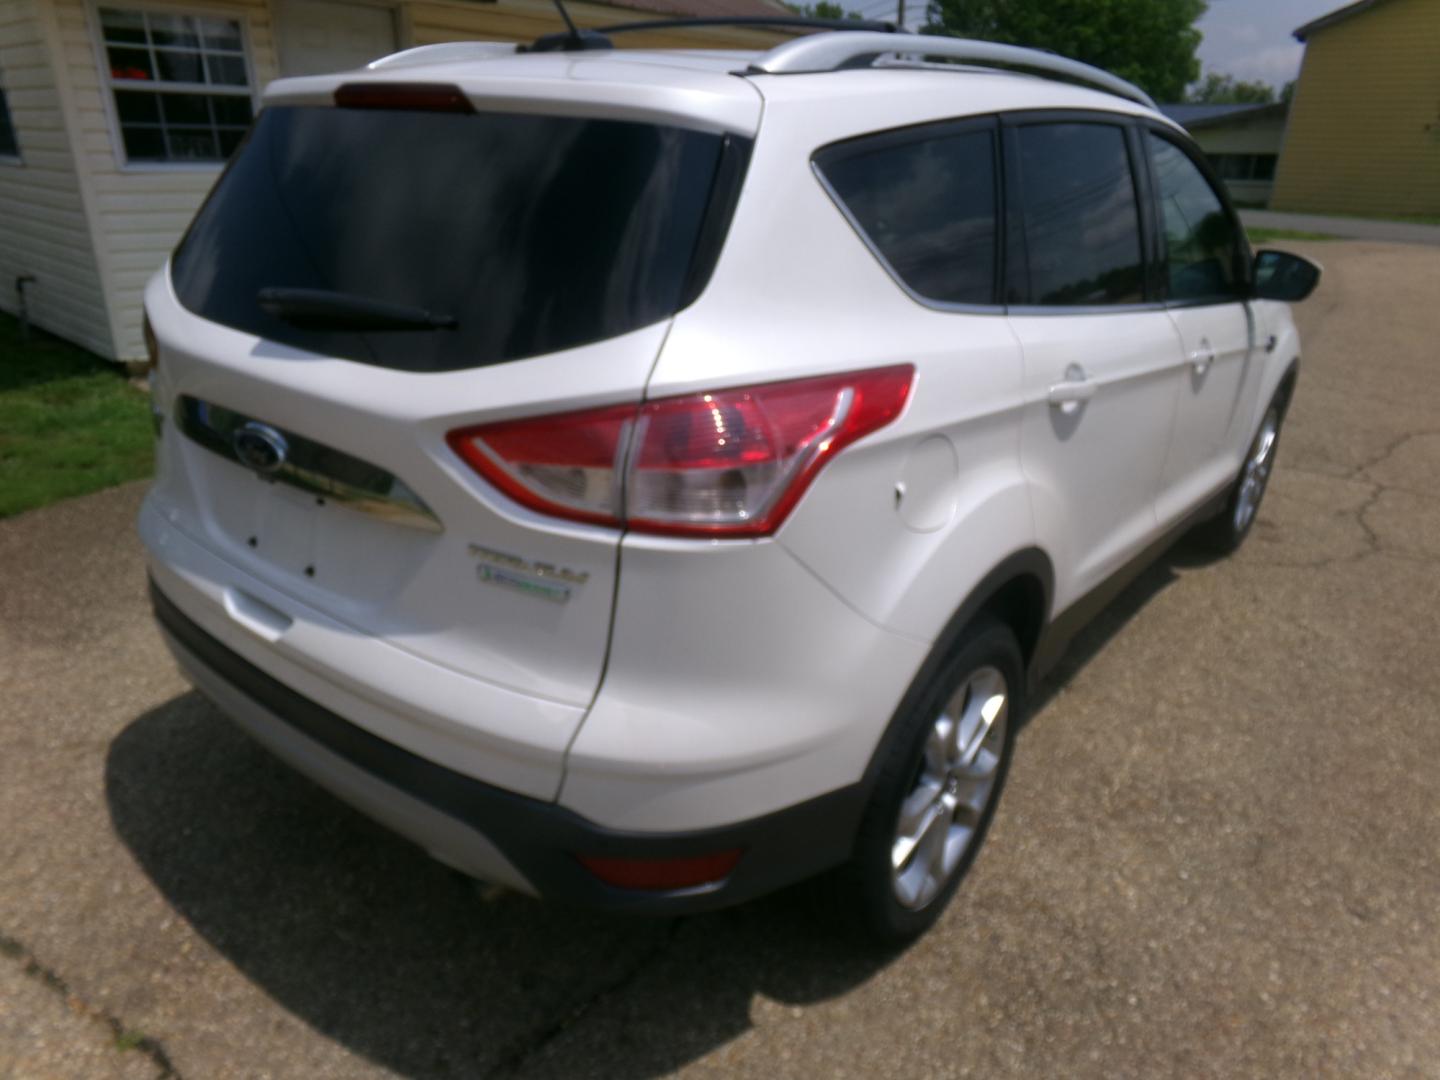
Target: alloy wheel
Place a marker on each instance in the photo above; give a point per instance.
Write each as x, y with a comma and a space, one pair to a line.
955, 781
1256, 473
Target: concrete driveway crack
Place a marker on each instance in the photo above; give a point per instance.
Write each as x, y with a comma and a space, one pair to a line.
515, 1060
1374, 543
126, 1038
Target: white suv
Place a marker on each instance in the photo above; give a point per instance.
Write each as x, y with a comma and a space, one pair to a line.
651, 478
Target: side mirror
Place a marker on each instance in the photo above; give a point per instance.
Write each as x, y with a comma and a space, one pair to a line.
1279, 275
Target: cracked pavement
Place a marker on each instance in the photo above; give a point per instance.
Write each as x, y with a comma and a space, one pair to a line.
1217, 854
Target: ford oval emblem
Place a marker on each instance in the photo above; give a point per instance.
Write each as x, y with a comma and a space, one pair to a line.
260, 447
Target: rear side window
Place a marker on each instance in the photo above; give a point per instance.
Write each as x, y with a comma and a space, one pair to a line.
1081, 216
927, 205
1202, 248
518, 235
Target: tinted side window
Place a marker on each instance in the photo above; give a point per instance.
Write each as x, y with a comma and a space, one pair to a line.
1082, 220
1202, 251
928, 207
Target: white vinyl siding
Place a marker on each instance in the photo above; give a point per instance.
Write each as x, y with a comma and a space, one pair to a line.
140, 209
427, 22
46, 232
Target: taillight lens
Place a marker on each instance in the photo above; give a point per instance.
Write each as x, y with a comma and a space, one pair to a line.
728, 463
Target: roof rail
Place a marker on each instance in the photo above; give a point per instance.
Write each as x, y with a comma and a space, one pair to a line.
830, 52
795, 22
457, 51
599, 38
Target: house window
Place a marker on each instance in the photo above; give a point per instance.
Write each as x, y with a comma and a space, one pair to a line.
180, 82
1244, 166
9, 148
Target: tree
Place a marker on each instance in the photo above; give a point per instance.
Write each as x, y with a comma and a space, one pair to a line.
1150, 42
1287, 92
824, 9
1218, 89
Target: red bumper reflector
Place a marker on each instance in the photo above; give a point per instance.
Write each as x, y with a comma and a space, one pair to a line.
660, 874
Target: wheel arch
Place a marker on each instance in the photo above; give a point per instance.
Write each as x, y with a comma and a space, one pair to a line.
1017, 592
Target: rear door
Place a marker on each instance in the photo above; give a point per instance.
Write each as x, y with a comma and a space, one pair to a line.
364, 281
1101, 354
1204, 277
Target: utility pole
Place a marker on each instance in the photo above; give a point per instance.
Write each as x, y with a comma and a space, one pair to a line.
900, 14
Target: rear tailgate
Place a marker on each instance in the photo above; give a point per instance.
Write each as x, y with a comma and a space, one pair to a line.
414, 568
534, 262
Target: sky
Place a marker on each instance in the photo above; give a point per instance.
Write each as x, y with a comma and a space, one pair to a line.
1251, 39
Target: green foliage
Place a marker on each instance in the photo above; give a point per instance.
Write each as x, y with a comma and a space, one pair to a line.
1265, 236
1287, 92
824, 9
1219, 89
70, 423
1152, 43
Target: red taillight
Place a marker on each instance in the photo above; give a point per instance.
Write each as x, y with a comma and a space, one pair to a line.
728, 463
662, 874
564, 465
424, 97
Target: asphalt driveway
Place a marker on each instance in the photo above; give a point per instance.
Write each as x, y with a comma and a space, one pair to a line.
1219, 853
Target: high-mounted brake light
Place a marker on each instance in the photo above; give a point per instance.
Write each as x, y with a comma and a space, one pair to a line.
423, 97
728, 463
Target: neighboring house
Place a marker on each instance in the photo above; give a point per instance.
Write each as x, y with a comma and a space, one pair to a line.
1241, 141
116, 117
1364, 134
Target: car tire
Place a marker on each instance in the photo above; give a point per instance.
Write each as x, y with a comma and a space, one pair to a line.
938, 783
1227, 530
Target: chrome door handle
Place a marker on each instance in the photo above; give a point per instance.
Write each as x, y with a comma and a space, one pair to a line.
1202, 357
1074, 391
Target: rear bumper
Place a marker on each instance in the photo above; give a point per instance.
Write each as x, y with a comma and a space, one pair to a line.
496, 834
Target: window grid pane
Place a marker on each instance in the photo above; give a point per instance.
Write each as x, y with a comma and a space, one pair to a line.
181, 89
144, 46
177, 130
9, 147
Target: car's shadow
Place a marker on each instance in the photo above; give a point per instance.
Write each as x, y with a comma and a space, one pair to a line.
1112, 618
377, 946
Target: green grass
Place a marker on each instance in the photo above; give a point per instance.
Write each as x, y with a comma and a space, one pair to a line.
1404, 219
70, 423
1264, 236
130, 1040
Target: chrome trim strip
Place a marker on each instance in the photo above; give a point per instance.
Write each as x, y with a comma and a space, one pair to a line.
311, 466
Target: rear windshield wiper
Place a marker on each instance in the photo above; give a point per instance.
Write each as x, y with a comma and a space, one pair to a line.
320, 309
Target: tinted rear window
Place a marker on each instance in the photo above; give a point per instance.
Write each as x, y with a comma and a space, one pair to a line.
534, 233
927, 204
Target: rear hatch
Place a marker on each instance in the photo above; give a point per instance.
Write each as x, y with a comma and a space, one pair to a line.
364, 280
